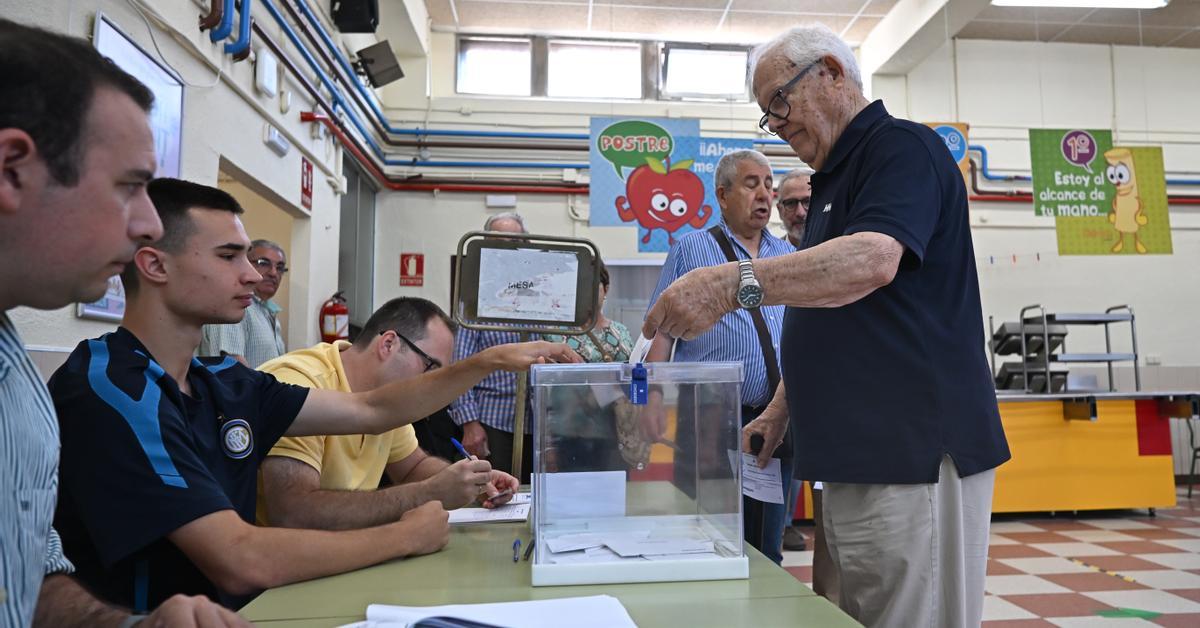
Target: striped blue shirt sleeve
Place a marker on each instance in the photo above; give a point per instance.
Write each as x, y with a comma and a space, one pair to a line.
670, 272
464, 409
56, 561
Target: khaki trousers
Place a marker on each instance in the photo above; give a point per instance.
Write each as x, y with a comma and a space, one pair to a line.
911, 555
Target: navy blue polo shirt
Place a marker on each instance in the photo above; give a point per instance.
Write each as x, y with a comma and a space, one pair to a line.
141, 459
880, 389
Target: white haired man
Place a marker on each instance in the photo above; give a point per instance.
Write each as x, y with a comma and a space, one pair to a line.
898, 415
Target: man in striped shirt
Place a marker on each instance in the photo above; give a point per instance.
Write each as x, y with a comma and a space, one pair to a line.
744, 191
75, 154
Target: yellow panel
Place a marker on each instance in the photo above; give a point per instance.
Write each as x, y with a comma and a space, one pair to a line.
1060, 465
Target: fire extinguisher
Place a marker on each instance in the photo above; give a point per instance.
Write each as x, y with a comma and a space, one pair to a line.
335, 319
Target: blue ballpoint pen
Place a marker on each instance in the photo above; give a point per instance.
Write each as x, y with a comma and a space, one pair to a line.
461, 450
516, 550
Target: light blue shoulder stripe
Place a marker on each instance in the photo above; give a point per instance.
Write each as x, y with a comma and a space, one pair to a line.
218, 367
142, 415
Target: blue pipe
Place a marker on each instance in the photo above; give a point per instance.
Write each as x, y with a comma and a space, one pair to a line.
226, 26
987, 173
983, 168
369, 98
242, 43
335, 93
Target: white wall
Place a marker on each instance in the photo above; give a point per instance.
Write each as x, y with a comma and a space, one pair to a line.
219, 124
1146, 95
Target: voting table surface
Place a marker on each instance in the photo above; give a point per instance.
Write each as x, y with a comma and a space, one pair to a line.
477, 567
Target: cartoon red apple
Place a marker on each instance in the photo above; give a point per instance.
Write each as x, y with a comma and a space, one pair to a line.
662, 196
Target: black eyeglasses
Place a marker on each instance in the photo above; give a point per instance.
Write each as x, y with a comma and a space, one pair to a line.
430, 361
791, 204
263, 263
779, 100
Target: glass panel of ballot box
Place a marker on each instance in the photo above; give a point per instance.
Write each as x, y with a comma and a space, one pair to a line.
632, 492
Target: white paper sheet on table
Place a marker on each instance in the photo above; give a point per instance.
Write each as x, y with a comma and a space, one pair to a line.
512, 511
573, 542
585, 495
597, 611
765, 485
641, 547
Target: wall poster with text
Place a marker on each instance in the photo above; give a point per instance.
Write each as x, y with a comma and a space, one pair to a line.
1105, 199
655, 174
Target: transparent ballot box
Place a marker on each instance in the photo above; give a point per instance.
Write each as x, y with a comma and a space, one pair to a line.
637, 493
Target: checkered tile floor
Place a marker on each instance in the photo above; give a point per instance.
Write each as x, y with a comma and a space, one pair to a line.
1118, 569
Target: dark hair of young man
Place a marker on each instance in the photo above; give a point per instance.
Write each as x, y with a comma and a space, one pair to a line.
603, 273
47, 83
172, 199
407, 316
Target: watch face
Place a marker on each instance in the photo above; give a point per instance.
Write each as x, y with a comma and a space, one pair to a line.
749, 296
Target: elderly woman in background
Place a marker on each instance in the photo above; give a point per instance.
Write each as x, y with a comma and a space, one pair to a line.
587, 428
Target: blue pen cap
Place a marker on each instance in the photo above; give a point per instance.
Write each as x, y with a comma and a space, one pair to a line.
639, 388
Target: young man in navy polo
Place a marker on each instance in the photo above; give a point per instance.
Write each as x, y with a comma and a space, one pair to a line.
160, 450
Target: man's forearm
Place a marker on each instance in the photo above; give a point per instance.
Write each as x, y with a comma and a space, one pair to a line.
420, 397
832, 274
296, 555
63, 602
253, 558
428, 467
348, 510
393, 405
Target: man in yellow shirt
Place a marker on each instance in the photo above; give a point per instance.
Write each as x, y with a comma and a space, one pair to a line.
330, 482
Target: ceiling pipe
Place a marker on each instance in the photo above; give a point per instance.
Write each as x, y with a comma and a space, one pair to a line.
290, 65
225, 26
385, 181
240, 47
213, 18
331, 120
344, 74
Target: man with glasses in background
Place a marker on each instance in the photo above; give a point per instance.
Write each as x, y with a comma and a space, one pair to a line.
330, 482
259, 337
795, 192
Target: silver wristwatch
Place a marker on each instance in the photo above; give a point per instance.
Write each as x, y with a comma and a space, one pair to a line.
749, 292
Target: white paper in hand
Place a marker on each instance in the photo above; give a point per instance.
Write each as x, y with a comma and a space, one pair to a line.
765, 485
640, 349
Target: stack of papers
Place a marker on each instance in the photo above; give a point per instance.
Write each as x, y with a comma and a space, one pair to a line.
515, 510
597, 611
609, 547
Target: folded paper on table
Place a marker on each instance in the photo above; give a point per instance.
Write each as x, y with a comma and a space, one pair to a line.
500, 514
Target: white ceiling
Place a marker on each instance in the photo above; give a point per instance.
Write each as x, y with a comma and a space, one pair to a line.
753, 21
1176, 25
730, 21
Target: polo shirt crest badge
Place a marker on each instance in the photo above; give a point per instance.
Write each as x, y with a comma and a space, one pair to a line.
237, 439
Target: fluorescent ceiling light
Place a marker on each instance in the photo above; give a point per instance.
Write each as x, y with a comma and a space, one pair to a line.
1085, 4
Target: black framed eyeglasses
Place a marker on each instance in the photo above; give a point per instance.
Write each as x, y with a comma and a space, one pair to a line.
263, 263
430, 361
779, 107
791, 204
